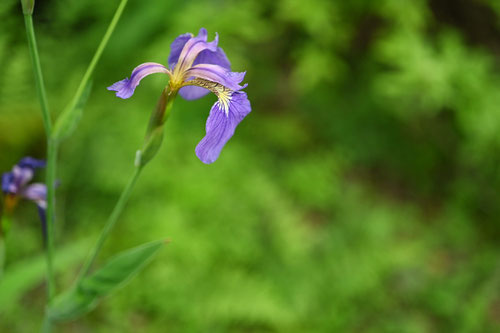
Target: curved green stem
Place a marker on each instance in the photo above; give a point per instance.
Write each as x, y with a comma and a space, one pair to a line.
110, 223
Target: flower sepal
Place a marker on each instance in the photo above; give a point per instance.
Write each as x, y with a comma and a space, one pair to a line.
152, 144
28, 6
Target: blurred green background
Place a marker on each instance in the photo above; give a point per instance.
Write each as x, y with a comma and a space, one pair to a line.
360, 195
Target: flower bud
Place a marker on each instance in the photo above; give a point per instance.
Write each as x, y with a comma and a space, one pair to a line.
28, 6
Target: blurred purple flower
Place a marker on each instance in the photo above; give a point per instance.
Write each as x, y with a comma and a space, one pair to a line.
15, 185
197, 67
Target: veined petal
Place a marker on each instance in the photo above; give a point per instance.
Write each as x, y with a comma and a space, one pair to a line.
36, 192
125, 88
192, 49
205, 57
221, 125
215, 58
219, 74
176, 48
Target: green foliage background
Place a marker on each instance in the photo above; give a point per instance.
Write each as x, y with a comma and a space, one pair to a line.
360, 195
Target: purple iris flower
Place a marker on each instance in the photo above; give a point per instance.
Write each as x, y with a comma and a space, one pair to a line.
15, 185
197, 67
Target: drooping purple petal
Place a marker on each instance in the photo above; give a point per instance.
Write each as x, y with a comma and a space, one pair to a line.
193, 47
125, 88
220, 126
213, 73
218, 74
36, 192
176, 48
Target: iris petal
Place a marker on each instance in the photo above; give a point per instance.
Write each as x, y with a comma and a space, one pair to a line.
36, 192
219, 74
125, 88
220, 126
176, 48
193, 47
215, 58
205, 57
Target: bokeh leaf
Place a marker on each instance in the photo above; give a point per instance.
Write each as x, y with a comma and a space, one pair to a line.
113, 275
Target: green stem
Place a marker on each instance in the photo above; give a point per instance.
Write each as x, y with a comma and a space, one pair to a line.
50, 215
98, 53
109, 224
51, 153
40, 86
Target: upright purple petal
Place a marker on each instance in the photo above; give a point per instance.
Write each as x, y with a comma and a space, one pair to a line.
176, 48
214, 58
221, 125
197, 51
125, 88
192, 49
217, 57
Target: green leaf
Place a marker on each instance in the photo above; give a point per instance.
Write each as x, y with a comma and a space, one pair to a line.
69, 118
113, 275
